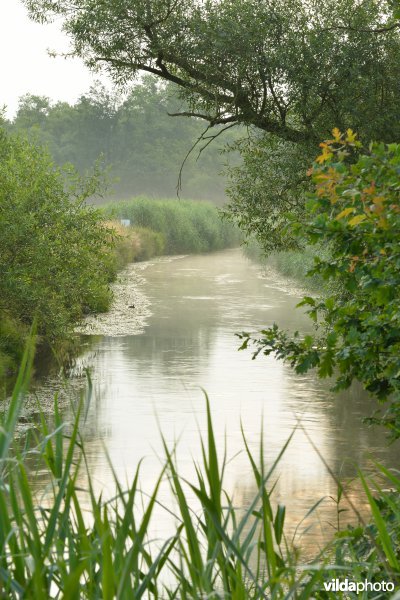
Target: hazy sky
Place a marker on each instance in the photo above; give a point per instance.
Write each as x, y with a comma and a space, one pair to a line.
25, 64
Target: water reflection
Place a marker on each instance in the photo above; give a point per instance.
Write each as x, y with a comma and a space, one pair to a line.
152, 381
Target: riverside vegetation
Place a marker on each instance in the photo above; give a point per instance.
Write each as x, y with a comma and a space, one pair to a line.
183, 225
289, 74
59, 254
55, 260
354, 211
50, 549
294, 264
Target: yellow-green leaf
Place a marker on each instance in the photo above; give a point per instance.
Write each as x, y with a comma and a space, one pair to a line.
351, 136
357, 220
345, 212
336, 134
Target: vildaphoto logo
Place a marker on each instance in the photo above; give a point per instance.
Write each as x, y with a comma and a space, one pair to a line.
346, 585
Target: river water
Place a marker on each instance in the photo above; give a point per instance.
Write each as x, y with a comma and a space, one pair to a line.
153, 381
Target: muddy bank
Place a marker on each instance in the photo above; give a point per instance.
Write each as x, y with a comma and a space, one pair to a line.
129, 310
128, 315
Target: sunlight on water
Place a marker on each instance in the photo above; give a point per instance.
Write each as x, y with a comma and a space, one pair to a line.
152, 381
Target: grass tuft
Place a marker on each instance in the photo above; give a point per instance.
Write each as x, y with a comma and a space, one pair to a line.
50, 548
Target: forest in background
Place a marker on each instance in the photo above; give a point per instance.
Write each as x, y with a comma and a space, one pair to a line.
130, 136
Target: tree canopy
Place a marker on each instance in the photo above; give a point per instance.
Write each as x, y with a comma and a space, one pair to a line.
266, 189
293, 68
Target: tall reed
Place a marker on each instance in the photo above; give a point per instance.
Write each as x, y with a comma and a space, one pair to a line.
49, 548
186, 225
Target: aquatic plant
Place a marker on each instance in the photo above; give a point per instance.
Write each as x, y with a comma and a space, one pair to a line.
52, 547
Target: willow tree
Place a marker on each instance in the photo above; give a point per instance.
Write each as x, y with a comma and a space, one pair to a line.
292, 69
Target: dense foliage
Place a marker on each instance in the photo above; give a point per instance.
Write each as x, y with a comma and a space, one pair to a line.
186, 225
141, 147
55, 261
289, 68
355, 211
267, 188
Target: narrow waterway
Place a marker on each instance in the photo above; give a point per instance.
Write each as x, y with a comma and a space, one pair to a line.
153, 381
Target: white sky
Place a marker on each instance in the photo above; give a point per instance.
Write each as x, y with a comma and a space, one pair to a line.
25, 65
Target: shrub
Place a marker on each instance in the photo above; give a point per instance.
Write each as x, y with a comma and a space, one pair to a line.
150, 243
12, 341
134, 243
355, 210
126, 243
55, 259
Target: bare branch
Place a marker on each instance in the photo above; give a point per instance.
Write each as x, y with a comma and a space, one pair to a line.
187, 113
201, 138
213, 120
281, 109
211, 138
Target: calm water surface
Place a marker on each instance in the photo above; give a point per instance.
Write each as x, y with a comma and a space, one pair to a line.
152, 381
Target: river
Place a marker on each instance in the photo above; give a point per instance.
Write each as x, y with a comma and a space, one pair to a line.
153, 381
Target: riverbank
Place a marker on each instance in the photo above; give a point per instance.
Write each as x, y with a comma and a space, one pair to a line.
185, 226
130, 307
294, 264
128, 314
72, 287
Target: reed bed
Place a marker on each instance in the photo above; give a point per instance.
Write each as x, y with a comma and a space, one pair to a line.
187, 226
51, 549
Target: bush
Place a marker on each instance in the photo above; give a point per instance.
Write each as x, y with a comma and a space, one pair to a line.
12, 341
186, 225
355, 210
126, 244
150, 243
55, 259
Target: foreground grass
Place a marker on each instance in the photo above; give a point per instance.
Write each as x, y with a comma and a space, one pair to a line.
55, 550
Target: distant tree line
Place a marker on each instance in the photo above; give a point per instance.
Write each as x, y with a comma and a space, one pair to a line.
133, 136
